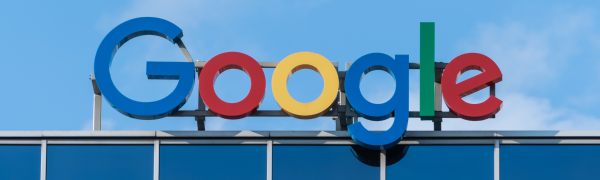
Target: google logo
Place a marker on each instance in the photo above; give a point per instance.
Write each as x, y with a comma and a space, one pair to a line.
397, 66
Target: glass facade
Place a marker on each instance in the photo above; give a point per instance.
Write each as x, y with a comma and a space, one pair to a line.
292, 158
20, 162
324, 162
213, 162
99, 162
549, 162
435, 162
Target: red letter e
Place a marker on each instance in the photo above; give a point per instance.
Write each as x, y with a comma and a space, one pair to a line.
454, 92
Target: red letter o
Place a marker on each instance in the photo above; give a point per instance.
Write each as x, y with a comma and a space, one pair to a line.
223, 62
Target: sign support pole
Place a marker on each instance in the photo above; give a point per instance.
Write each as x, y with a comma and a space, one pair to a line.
97, 111
437, 100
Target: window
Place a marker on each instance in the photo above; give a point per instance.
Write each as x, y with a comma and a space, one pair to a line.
440, 162
549, 162
213, 162
324, 162
20, 162
99, 162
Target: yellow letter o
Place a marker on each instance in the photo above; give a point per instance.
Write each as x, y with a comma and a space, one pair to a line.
298, 61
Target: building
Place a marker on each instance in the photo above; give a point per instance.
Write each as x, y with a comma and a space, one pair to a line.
166, 155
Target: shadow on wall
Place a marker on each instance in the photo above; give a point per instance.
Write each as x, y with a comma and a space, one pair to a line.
371, 157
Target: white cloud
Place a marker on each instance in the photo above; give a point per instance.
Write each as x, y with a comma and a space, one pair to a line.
531, 57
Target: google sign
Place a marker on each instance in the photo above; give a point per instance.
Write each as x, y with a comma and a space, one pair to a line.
397, 66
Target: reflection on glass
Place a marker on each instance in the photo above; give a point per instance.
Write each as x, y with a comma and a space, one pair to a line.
549, 162
99, 162
324, 162
20, 162
426, 162
213, 162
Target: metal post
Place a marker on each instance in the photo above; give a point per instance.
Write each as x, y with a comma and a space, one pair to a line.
200, 120
437, 104
437, 124
97, 119
341, 121
97, 111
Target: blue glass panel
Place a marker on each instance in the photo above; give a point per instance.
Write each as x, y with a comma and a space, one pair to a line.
20, 162
441, 162
549, 162
324, 162
213, 162
99, 162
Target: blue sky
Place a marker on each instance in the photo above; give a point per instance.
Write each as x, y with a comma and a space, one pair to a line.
548, 52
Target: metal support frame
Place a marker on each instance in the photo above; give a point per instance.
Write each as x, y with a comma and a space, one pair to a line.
340, 111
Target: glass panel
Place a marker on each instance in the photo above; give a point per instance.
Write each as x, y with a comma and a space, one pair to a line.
441, 162
213, 162
549, 161
20, 162
324, 162
99, 162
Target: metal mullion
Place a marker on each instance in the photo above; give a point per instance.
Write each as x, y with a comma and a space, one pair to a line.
43, 159
270, 160
156, 165
497, 160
